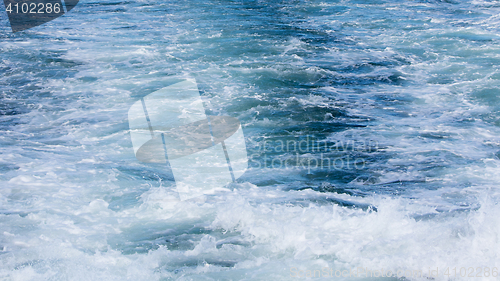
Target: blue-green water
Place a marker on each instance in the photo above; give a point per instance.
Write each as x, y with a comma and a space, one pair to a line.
399, 98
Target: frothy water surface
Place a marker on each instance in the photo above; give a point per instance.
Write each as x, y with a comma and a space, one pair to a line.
400, 98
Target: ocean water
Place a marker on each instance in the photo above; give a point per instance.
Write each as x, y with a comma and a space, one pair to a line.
371, 127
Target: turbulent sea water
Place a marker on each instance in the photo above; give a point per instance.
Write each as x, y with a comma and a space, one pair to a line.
403, 97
